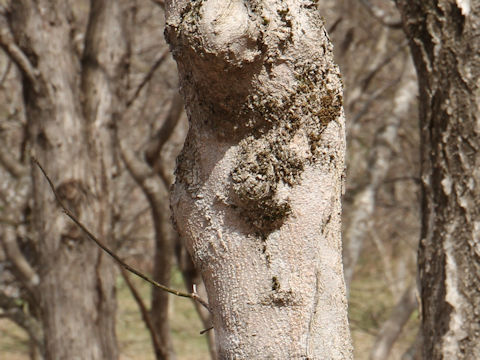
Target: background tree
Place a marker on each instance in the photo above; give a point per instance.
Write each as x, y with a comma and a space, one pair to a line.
70, 99
146, 80
382, 162
380, 207
443, 37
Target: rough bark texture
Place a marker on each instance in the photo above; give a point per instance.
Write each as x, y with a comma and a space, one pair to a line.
70, 102
444, 41
258, 186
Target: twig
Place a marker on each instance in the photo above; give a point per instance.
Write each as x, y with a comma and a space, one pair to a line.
14, 254
206, 330
157, 142
368, 78
337, 22
111, 253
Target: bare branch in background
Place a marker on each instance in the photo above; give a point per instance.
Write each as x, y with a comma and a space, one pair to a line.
337, 22
110, 252
391, 329
6, 70
12, 217
12, 165
373, 97
15, 255
148, 76
379, 164
13, 311
381, 16
156, 144
8, 44
391, 55
371, 62
145, 315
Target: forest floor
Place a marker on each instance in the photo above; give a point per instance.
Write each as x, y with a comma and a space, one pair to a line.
367, 312
133, 337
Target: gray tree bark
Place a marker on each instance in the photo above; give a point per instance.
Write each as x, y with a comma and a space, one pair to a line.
70, 100
259, 181
444, 41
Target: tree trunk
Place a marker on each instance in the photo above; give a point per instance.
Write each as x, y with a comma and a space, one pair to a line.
393, 326
379, 161
259, 181
444, 41
147, 171
70, 103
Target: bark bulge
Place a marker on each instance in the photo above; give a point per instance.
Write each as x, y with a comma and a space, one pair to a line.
258, 186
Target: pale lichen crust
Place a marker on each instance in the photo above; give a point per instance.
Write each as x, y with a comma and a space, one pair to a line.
267, 84
268, 159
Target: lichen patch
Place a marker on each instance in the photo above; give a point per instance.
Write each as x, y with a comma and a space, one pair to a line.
287, 132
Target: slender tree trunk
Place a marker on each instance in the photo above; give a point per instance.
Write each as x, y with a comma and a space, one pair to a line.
444, 41
148, 174
393, 326
259, 181
379, 163
70, 103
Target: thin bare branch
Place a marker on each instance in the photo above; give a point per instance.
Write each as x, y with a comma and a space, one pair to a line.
364, 201
139, 170
12, 165
154, 187
145, 314
5, 71
333, 27
372, 97
163, 134
8, 44
148, 77
391, 55
206, 330
381, 16
15, 255
110, 252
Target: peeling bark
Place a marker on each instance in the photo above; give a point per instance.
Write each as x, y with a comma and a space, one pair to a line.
259, 181
444, 41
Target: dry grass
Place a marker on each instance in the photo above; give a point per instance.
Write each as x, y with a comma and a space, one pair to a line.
368, 309
133, 337
134, 340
